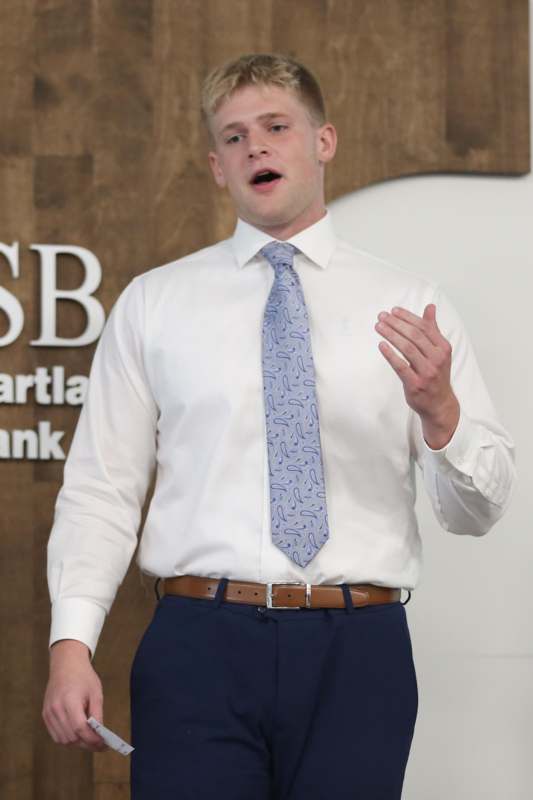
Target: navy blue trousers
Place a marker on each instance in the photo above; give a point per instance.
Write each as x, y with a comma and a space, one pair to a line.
233, 701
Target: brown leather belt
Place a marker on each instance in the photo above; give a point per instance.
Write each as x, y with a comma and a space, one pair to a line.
281, 595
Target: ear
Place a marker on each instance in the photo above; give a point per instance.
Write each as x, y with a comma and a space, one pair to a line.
218, 174
326, 142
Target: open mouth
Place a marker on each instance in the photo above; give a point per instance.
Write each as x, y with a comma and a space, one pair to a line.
265, 178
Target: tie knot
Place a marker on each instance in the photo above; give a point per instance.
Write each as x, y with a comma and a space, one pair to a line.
279, 253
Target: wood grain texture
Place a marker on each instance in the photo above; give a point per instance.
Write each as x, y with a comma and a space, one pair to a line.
64, 78
16, 77
101, 146
17, 517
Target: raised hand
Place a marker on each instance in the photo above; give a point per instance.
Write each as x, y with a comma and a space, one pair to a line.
425, 373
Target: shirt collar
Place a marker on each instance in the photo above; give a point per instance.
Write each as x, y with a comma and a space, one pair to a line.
317, 242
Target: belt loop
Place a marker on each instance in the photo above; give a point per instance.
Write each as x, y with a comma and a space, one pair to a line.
348, 602
407, 590
221, 588
156, 589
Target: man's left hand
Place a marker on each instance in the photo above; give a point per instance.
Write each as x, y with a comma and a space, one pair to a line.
426, 373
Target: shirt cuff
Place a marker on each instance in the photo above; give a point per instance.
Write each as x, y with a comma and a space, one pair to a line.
75, 618
461, 451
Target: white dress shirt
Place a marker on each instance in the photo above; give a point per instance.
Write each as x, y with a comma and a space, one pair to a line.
176, 386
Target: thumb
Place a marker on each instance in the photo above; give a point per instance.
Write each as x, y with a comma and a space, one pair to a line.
95, 706
430, 313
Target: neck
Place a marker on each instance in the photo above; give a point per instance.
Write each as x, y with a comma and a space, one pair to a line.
285, 230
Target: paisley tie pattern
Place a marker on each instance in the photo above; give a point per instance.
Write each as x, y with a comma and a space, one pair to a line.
297, 493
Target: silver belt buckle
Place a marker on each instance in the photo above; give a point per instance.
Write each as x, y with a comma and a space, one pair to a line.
288, 583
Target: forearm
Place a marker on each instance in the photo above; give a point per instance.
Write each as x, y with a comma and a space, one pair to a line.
469, 480
440, 427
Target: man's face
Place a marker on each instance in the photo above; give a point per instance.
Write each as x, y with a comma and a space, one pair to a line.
267, 128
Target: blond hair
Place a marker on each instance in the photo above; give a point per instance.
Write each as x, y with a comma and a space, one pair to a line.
264, 69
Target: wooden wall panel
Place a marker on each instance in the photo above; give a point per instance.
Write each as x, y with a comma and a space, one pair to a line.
63, 78
17, 516
101, 146
63, 192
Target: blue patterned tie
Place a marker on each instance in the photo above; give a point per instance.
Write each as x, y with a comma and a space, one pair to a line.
297, 494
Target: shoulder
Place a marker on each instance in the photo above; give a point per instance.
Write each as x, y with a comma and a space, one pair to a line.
164, 276
381, 270
150, 289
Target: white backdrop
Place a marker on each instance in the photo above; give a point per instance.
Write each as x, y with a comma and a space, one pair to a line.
471, 615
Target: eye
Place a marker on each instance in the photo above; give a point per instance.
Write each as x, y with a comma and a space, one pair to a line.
233, 138
279, 125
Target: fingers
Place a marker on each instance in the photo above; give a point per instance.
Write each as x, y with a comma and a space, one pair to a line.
426, 324
53, 721
85, 735
398, 364
96, 710
413, 345
73, 693
67, 724
414, 340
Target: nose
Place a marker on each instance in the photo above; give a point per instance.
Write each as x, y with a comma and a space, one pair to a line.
256, 146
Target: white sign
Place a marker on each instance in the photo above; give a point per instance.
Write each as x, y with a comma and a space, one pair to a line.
50, 295
47, 385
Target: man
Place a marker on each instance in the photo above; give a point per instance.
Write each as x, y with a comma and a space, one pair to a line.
284, 431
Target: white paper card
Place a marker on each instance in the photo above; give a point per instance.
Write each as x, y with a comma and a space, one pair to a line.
110, 738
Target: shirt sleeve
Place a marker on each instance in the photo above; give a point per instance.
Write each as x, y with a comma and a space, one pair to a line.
106, 477
470, 480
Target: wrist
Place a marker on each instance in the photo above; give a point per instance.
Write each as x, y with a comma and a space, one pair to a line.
68, 648
440, 427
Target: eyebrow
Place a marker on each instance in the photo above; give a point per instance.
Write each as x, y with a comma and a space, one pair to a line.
261, 118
